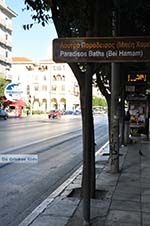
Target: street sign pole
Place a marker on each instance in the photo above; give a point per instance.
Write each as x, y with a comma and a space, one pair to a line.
87, 147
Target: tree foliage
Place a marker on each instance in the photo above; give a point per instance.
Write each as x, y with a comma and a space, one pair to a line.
3, 84
99, 101
75, 18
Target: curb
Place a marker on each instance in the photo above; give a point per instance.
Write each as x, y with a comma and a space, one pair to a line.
39, 209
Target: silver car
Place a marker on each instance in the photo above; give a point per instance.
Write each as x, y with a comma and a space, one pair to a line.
3, 114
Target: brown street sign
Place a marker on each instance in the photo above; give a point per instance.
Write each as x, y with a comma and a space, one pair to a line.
111, 49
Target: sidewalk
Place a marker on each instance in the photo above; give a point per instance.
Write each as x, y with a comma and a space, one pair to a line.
121, 200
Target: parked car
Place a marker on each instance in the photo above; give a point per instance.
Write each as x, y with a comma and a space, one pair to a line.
55, 114
3, 114
77, 112
68, 112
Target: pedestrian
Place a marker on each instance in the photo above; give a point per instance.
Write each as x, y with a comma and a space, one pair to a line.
127, 128
127, 116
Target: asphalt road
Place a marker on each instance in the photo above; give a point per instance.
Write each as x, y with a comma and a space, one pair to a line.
58, 144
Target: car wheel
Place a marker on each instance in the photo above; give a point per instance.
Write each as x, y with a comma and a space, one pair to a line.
5, 117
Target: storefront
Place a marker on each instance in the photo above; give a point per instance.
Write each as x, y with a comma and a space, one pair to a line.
14, 109
14, 103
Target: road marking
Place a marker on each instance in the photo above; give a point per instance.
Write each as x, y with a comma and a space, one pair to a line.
39, 209
8, 150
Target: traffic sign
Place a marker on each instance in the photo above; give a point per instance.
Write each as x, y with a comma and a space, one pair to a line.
109, 49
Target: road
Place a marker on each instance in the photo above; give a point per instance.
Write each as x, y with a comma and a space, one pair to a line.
58, 144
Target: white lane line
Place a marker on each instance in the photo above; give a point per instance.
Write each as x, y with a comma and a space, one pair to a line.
34, 142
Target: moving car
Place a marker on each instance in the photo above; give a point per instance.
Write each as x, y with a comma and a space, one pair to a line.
55, 114
3, 114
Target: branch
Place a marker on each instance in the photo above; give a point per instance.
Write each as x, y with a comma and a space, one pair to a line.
102, 88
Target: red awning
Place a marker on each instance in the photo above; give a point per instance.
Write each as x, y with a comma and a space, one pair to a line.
19, 103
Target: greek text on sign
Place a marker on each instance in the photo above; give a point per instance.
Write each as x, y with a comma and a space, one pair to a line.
119, 49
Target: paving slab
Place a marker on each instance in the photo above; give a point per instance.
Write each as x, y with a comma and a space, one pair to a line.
63, 207
146, 207
145, 191
99, 208
43, 220
107, 179
125, 205
121, 224
126, 177
120, 195
145, 198
145, 219
120, 216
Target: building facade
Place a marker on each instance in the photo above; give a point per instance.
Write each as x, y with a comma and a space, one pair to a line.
6, 15
64, 88
46, 85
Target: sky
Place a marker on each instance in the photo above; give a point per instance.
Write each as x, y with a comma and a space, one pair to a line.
36, 43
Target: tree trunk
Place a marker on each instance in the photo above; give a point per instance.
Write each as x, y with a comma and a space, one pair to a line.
114, 137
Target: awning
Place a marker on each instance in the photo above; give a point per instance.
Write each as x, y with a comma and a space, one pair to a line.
19, 103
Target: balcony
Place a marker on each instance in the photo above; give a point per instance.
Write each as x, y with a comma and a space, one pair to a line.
5, 25
9, 26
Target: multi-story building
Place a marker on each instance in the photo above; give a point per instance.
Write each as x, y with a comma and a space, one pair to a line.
6, 15
64, 88
46, 85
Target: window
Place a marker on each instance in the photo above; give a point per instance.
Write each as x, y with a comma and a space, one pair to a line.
63, 77
44, 88
58, 77
36, 77
28, 90
44, 77
57, 68
53, 88
36, 87
54, 77
62, 88
6, 54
